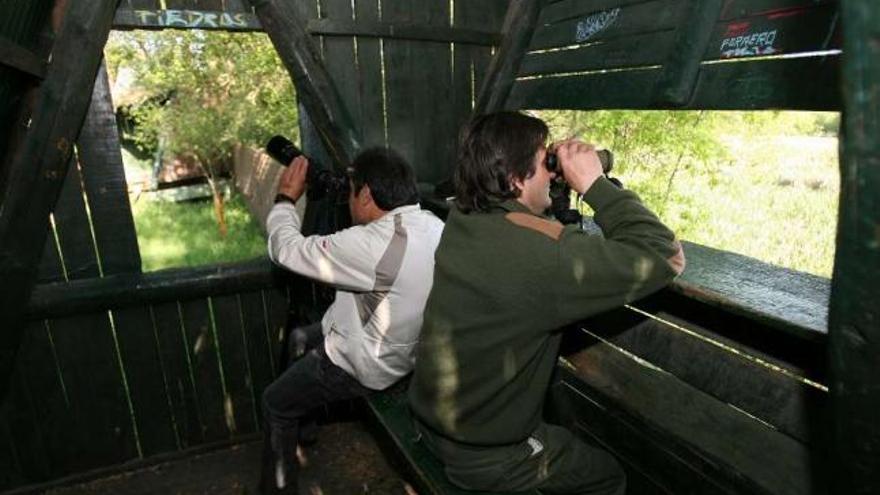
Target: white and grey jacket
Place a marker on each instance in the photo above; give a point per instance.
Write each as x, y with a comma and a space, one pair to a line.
382, 272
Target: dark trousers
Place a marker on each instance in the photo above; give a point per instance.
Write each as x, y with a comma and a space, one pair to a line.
552, 460
310, 381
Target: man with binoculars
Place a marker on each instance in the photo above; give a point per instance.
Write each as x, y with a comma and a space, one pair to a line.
506, 279
382, 270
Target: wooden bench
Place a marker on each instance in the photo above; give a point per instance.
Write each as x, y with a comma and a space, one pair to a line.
392, 421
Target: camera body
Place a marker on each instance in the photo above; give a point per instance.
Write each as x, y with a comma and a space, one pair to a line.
321, 182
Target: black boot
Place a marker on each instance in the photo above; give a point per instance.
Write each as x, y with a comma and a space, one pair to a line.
279, 468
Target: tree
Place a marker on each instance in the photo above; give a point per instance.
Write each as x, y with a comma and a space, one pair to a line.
212, 91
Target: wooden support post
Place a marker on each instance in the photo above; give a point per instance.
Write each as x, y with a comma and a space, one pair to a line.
315, 89
37, 165
519, 24
854, 319
682, 67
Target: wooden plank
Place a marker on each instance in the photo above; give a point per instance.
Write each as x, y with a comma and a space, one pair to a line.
795, 301
463, 90
239, 6
315, 89
277, 307
185, 19
339, 56
519, 25
413, 31
89, 364
855, 306
729, 372
390, 414
777, 33
259, 353
139, 355
434, 129
201, 345
51, 269
682, 65
560, 10
630, 52
484, 13
370, 79
746, 8
74, 229
124, 290
10, 474
239, 398
38, 164
103, 177
647, 459
656, 15
788, 350
36, 409
763, 84
139, 4
174, 358
801, 31
20, 58
747, 453
400, 85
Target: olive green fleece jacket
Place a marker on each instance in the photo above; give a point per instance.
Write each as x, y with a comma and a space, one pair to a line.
504, 282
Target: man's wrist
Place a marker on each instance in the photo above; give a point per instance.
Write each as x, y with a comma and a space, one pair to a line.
283, 198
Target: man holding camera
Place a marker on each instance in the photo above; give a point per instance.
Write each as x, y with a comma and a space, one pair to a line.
506, 278
382, 270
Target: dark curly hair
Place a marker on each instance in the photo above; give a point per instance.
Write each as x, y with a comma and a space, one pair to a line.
495, 149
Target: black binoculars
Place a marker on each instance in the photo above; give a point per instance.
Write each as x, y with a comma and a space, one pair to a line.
606, 158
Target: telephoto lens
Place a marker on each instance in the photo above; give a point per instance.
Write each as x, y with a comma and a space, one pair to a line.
281, 149
321, 182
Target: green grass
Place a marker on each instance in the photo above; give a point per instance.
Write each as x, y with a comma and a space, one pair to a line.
186, 234
762, 184
775, 200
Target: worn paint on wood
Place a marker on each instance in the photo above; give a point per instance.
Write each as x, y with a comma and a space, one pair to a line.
855, 293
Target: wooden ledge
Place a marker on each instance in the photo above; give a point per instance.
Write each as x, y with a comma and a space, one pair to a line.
792, 301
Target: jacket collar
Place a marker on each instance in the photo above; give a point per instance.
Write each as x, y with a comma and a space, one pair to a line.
512, 205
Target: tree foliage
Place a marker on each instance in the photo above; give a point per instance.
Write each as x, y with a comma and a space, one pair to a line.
203, 93
221, 89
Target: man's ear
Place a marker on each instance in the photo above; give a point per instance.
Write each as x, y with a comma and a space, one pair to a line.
516, 185
365, 196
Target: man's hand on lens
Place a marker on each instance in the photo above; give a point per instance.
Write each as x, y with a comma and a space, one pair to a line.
293, 179
579, 163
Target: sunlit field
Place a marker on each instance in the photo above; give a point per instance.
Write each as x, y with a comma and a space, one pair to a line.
186, 234
768, 191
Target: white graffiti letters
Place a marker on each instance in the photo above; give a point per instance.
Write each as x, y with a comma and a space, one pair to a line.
749, 44
591, 25
191, 19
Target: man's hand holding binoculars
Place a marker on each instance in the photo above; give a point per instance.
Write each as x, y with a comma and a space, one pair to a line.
579, 163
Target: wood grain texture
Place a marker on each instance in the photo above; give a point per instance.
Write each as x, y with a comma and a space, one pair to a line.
855, 306
103, 178
740, 451
39, 163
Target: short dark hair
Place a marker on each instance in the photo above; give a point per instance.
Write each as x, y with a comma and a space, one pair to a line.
392, 181
495, 149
